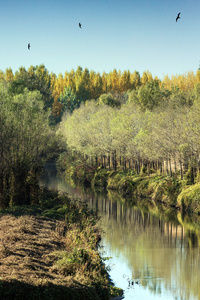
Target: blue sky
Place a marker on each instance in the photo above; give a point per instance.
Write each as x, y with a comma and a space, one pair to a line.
121, 34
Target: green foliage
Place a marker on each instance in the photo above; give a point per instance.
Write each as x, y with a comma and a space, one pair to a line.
27, 143
189, 198
100, 177
149, 96
35, 79
69, 100
109, 100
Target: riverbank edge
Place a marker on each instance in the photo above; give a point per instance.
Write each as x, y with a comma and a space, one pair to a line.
171, 191
80, 271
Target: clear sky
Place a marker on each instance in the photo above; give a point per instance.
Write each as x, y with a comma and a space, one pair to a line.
121, 34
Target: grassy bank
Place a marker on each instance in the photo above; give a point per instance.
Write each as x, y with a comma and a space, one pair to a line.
171, 191
49, 251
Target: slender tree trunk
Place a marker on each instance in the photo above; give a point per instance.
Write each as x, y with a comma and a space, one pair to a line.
175, 169
115, 160
163, 167
129, 164
181, 170
160, 166
138, 165
133, 165
109, 162
167, 170
192, 175
157, 165
124, 163
170, 167
112, 159
104, 161
148, 168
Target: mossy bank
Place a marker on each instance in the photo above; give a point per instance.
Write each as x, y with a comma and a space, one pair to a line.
169, 190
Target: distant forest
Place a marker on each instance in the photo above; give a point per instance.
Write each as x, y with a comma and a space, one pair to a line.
66, 92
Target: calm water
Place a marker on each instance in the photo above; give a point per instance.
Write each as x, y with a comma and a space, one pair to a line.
153, 255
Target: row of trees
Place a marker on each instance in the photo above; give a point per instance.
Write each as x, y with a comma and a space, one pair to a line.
26, 142
143, 121
66, 92
154, 127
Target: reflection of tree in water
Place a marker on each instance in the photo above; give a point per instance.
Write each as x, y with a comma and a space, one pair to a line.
163, 254
157, 250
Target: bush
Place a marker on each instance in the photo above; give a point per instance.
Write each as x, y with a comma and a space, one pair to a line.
189, 198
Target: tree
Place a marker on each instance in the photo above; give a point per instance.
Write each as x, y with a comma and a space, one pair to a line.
9, 75
109, 100
148, 96
125, 81
82, 84
135, 80
146, 77
26, 143
68, 100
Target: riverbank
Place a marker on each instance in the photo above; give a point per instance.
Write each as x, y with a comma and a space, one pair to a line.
49, 251
171, 191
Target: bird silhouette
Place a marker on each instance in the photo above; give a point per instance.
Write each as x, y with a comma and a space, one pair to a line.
29, 46
178, 17
80, 26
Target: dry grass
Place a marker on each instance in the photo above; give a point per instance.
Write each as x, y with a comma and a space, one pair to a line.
25, 247
49, 251
27, 268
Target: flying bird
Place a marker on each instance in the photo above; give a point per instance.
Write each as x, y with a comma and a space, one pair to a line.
80, 26
178, 17
29, 46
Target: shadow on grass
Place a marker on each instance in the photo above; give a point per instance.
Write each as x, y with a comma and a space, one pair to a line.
48, 205
17, 290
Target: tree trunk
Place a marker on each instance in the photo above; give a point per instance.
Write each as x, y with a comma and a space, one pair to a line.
175, 167
192, 175
167, 170
148, 168
181, 170
170, 167
138, 167
104, 161
115, 159
129, 164
109, 162
124, 163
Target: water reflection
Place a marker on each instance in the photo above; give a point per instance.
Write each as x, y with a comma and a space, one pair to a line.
153, 255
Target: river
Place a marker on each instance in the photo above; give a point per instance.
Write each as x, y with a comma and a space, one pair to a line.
152, 254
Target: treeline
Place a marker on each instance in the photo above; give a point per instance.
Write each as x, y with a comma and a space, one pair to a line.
26, 143
66, 92
114, 119
155, 128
